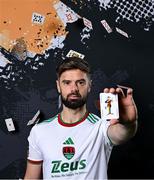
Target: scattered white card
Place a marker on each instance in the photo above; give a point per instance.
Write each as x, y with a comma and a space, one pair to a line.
122, 32
106, 26
9, 124
69, 17
109, 106
72, 53
35, 119
38, 18
66, 14
87, 23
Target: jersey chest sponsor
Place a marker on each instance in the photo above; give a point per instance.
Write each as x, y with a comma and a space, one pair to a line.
59, 166
68, 149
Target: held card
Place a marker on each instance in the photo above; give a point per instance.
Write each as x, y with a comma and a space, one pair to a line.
109, 106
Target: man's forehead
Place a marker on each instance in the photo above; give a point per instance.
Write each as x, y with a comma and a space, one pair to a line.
75, 74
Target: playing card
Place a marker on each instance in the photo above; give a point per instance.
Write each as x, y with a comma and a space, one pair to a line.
87, 23
122, 32
66, 14
109, 106
72, 53
9, 124
106, 26
38, 18
35, 119
69, 17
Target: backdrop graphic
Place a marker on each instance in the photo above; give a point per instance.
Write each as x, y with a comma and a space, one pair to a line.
117, 39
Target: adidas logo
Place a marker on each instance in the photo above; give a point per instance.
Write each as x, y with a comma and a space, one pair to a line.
69, 141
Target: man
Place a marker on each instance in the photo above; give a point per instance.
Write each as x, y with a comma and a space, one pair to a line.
76, 144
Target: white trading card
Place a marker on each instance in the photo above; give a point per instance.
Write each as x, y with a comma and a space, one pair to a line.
9, 124
87, 23
122, 32
66, 14
69, 17
72, 53
106, 26
35, 119
38, 18
109, 106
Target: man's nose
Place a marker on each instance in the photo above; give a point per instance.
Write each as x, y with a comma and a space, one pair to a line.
74, 87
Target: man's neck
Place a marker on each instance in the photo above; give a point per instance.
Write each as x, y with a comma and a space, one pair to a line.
73, 115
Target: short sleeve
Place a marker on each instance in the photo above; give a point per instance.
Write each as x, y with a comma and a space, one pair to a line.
34, 152
106, 125
108, 144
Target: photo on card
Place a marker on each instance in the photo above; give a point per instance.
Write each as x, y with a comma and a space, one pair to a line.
109, 106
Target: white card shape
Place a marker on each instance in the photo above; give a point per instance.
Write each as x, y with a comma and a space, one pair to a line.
10, 124
106, 26
38, 18
34, 119
87, 23
109, 106
66, 14
72, 53
122, 32
69, 17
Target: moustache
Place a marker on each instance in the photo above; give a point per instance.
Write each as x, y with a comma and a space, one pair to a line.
74, 94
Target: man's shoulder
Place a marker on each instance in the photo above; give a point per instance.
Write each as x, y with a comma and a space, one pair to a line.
47, 121
93, 118
43, 127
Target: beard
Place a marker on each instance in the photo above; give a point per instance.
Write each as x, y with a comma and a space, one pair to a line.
74, 103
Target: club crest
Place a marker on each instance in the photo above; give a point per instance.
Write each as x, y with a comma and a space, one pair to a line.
68, 152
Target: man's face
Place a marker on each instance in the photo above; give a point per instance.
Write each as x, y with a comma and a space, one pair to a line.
74, 86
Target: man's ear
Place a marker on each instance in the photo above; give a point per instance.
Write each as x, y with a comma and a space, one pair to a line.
58, 87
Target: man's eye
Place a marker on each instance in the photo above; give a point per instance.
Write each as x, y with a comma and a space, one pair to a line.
81, 82
66, 82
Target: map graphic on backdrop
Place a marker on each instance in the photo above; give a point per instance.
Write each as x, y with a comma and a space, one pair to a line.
34, 36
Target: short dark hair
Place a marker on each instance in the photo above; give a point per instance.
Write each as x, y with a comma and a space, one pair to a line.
73, 63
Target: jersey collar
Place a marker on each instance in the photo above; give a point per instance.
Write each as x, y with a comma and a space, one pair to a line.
61, 122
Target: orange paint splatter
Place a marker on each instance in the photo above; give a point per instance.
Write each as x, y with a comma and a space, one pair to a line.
16, 23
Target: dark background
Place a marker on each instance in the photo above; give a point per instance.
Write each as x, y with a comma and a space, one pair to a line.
114, 59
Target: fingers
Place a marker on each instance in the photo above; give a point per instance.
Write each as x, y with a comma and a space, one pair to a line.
119, 91
109, 90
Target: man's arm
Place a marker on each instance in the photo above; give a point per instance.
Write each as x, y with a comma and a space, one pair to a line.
120, 133
33, 170
123, 129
